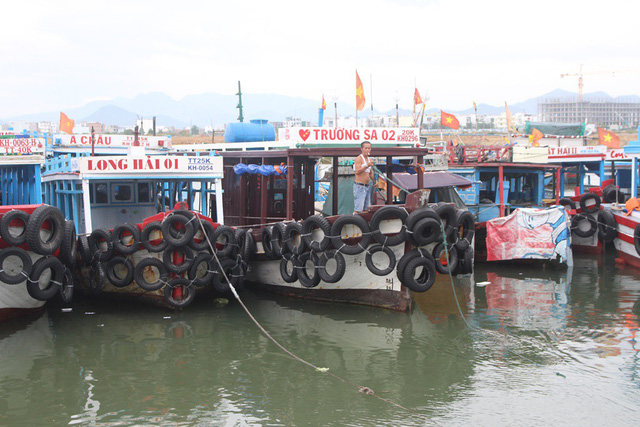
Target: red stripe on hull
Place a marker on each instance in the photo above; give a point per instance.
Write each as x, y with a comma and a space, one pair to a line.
10, 313
630, 259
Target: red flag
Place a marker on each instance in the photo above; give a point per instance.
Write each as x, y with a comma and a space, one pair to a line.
66, 124
449, 120
324, 104
608, 138
359, 93
535, 136
417, 99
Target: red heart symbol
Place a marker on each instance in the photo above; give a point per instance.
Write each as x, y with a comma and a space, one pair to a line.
304, 134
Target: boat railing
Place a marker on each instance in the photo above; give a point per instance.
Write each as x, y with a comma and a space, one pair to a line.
474, 154
63, 163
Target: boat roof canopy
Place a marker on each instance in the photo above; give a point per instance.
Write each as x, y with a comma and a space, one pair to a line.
556, 129
437, 179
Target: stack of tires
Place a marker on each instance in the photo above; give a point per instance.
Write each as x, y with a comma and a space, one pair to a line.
39, 250
171, 257
591, 219
306, 248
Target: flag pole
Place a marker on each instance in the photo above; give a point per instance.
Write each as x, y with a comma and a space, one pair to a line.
371, 84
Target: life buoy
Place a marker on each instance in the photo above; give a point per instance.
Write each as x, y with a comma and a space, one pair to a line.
607, 226
341, 266
120, 232
195, 273
121, 264
408, 256
339, 243
575, 225
466, 228
567, 203
417, 216
101, 245
288, 275
177, 230
43, 289
278, 243
373, 268
224, 241
17, 274
156, 244
143, 272
293, 237
13, 227
590, 207
316, 226
168, 259
388, 213
187, 295
419, 274
69, 245
44, 230
444, 264
307, 280
199, 242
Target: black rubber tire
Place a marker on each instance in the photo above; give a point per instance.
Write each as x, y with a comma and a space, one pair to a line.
95, 239
167, 258
97, 278
186, 287
567, 203
387, 213
417, 216
146, 233
5, 222
65, 294
193, 270
138, 274
20, 276
50, 288
341, 266
111, 273
438, 252
232, 269
425, 281
228, 248
607, 226
465, 261
40, 215
69, 245
278, 240
575, 225
202, 245
284, 262
426, 231
240, 236
448, 214
303, 275
371, 266
266, 243
336, 238
591, 208
248, 247
610, 193
117, 236
85, 249
293, 236
466, 229
173, 236
408, 256
316, 222
636, 238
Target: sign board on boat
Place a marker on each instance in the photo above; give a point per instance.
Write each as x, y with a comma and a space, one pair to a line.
103, 140
530, 154
314, 135
22, 145
616, 154
187, 166
583, 153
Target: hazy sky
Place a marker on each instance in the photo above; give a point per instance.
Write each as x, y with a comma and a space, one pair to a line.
58, 55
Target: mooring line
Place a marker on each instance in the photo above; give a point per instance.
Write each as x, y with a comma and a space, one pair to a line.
361, 389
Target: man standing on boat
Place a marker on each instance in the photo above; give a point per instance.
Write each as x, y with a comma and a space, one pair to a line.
363, 179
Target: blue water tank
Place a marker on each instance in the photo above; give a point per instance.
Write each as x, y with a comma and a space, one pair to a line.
256, 130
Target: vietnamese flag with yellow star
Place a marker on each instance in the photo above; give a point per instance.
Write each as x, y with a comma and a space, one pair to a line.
417, 99
608, 138
449, 120
66, 124
359, 93
324, 104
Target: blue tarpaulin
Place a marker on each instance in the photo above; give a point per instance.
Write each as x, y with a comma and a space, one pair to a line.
265, 170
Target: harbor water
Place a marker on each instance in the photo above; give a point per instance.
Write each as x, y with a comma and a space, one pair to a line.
514, 345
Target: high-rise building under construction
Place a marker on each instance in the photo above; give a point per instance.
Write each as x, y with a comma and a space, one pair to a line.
606, 113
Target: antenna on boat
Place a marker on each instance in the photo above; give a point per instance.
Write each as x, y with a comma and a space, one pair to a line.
397, 113
93, 142
335, 107
239, 106
371, 84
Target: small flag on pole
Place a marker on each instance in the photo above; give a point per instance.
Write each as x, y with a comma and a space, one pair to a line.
360, 101
608, 138
535, 136
449, 120
66, 124
417, 99
324, 104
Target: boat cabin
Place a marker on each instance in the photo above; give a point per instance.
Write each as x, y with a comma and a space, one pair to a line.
21, 158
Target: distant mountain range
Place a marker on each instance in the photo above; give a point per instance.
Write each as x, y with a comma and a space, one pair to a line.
208, 109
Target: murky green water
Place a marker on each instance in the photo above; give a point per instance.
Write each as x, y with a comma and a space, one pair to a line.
542, 347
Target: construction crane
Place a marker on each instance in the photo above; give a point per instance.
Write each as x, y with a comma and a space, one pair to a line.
580, 80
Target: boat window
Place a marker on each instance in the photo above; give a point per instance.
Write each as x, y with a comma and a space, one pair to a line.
122, 192
101, 193
144, 192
